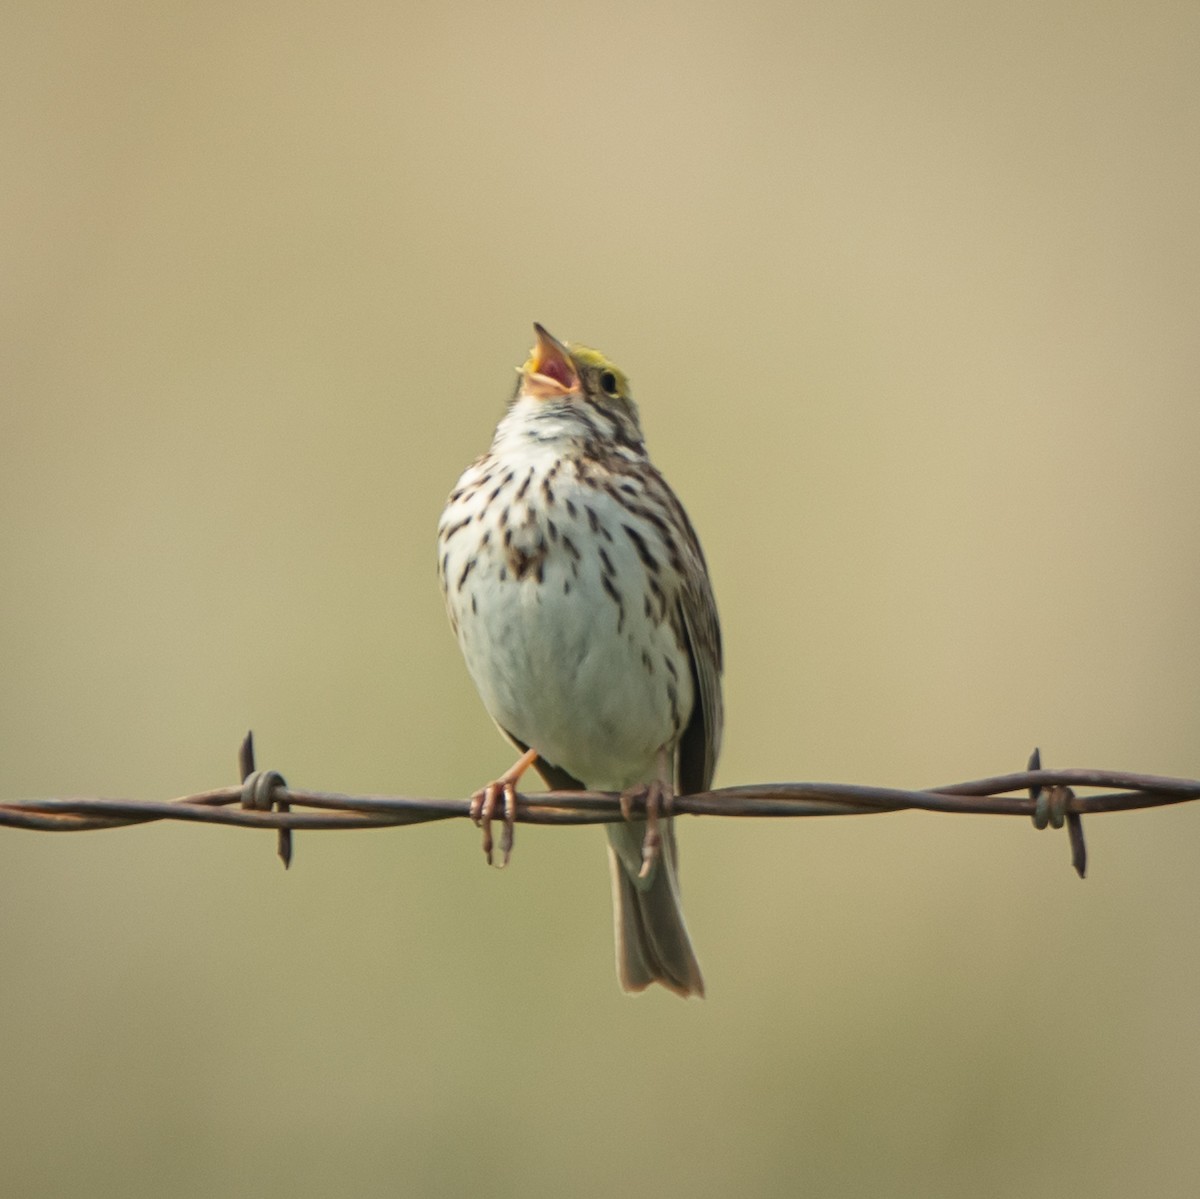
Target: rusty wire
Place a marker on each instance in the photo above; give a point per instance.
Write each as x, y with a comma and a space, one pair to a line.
264, 800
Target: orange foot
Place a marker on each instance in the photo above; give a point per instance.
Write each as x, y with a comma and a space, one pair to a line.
484, 801
658, 797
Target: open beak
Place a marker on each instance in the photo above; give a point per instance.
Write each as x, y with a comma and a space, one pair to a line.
549, 371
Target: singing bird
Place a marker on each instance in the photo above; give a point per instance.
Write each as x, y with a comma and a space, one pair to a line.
581, 600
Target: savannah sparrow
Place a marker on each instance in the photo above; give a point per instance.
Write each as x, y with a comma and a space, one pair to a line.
582, 604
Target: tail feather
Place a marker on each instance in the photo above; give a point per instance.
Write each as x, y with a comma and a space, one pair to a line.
651, 938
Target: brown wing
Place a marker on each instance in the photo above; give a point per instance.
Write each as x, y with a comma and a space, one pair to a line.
701, 740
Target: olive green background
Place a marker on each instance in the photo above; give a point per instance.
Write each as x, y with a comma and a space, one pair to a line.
910, 299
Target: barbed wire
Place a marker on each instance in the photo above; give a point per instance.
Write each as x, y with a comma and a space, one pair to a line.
264, 800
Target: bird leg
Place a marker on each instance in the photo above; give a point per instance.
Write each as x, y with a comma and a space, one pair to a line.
483, 806
657, 796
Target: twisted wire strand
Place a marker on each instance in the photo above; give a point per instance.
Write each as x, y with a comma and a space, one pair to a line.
264, 800
331, 809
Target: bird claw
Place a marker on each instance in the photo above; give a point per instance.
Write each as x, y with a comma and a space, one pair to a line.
485, 801
627, 798
658, 798
483, 809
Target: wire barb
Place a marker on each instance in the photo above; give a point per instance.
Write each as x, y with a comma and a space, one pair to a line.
260, 793
1052, 809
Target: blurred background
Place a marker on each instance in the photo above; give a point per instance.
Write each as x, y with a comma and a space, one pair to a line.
909, 296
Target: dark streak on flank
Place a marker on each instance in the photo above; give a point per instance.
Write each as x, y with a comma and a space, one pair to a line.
673, 698
649, 561
615, 596
613, 593
458, 526
597, 525
659, 596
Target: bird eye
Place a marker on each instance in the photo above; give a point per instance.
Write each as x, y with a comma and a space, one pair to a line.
609, 382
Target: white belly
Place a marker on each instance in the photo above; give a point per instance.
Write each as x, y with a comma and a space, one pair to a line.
596, 686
